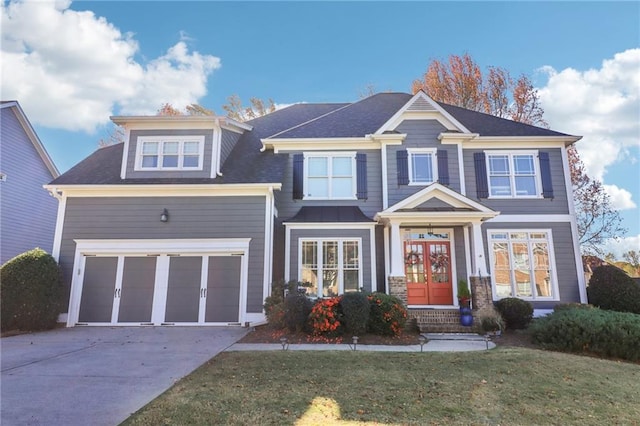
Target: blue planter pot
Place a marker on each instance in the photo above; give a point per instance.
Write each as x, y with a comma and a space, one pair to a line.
466, 319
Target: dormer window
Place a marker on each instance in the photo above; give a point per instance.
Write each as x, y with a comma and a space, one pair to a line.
170, 153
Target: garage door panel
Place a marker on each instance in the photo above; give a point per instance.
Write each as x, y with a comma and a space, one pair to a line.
223, 289
96, 302
183, 291
138, 280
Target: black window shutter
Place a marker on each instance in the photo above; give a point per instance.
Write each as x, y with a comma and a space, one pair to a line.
482, 187
545, 172
443, 167
361, 171
298, 178
403, 167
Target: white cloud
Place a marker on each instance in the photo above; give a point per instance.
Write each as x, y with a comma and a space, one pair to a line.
620, 198
603, 105
621, 246
71, 69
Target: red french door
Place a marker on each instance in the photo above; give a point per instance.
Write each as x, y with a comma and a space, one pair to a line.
428, 272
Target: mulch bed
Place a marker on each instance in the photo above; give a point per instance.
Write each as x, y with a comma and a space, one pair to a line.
267, 334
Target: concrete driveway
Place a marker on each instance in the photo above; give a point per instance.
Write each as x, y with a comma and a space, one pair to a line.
99, 375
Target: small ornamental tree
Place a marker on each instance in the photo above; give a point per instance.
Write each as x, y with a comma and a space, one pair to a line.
31, 292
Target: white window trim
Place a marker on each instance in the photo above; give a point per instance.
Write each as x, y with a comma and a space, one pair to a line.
552, 263
162, 139
510, 154
330, 155
434, 164
320, 260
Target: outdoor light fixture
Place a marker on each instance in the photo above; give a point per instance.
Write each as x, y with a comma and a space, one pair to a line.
355, 342
164, 217
422, 341
429, 229
284, 343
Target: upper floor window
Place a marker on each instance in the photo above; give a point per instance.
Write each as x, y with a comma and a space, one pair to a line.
513, 174
170, 153
330, 175
423, 168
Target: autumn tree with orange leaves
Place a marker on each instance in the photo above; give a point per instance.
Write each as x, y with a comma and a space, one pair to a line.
461, 82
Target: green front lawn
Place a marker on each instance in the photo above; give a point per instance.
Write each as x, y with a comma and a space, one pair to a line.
501, 386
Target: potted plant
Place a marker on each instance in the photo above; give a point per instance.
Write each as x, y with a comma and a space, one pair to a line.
464, 302
464, 294
491, 322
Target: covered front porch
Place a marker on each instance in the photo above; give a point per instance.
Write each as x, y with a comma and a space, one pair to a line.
432, 240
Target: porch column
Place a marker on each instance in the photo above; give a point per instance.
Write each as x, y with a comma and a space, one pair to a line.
479, 261
397, 279
397, 258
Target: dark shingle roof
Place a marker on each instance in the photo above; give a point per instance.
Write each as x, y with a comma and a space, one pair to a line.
330, 214
489, 125
355, 120
247, 164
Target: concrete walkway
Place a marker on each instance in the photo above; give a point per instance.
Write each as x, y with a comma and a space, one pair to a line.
436, 343
99, 375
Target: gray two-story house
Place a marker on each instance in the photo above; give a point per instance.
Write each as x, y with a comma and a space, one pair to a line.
191, 218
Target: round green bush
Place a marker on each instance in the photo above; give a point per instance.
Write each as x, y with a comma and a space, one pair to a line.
388, 316
612, 289
31, 292
517, 313
297, 308
595, 331
355, 312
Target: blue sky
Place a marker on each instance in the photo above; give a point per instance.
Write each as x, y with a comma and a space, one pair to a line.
71, 65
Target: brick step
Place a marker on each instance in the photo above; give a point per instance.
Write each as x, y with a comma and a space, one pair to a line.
438, 321
445, 328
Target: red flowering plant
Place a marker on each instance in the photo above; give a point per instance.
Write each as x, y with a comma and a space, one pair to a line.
388, 316
325, 317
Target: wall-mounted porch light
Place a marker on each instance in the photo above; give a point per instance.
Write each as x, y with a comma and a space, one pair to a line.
164, 217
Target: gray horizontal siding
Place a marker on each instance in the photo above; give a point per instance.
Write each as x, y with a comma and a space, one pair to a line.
206, 165
420, 134
27, 211
567, 272
461, 257
189, 217
557, 205
296, 234
288, 207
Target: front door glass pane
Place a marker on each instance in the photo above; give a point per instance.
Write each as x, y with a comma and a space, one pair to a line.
414, 261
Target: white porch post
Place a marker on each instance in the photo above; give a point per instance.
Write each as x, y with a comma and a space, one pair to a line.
480, 263
397, 259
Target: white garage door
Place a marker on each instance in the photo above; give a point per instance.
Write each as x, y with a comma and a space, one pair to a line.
158, 288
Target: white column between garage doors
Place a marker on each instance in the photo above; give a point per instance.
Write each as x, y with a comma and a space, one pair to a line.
126, 261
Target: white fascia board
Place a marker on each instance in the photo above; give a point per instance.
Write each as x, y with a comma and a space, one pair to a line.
33, 137
456, 218
456, 138
192, 245
330, 225
318, 144
173, 190
528, 218
402, 114
518, 142
163, 122
447, 195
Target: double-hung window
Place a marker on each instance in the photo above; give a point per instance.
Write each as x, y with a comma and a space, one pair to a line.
330, 266
170, 153
523, 264
423, 167
513, 174
330, 175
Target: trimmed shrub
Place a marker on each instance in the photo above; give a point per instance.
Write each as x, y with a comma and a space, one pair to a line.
325, 317
595, 331
31, 292
297, 308
610, 288
355, 312
517, 313
575, 305
274, 307
387, 316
